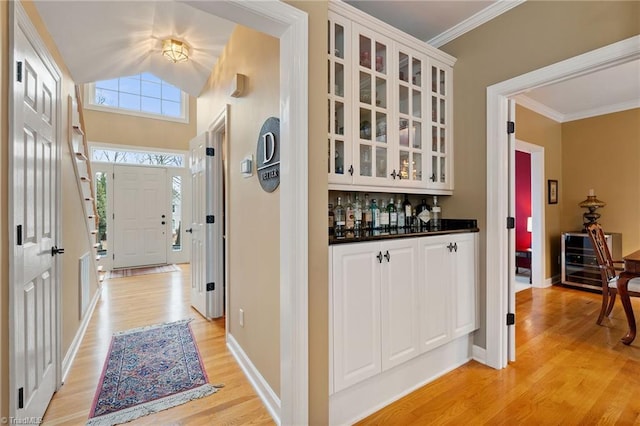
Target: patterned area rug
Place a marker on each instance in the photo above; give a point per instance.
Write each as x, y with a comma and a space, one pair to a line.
121, 273
147, 370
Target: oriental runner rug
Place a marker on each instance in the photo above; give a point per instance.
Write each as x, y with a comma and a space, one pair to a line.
147, 370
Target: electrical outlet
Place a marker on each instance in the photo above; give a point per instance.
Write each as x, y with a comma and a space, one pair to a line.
241, 317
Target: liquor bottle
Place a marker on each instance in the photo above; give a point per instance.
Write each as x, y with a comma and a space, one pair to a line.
408, 211
350, 217
393, 214
331, 219
375, 215
384, 218
357, 213
436, 214
368, 216
339, 218
401, 214
422, 212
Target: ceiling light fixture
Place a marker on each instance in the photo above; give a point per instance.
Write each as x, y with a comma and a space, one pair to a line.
175, 50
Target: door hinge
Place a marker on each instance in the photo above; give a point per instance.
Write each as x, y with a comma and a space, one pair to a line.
19, 235
511, 222
21, 398
511, 127
211, 152
19, 71
511, 318
211, 286
113, 256
211, 218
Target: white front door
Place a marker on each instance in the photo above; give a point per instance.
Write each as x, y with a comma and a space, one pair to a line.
141, 216
35, 285
207, 259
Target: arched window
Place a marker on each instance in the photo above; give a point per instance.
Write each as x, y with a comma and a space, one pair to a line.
143, 95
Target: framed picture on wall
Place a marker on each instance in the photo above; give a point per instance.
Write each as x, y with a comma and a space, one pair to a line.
552, 191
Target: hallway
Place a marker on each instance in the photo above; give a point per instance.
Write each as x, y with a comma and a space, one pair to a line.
137, 301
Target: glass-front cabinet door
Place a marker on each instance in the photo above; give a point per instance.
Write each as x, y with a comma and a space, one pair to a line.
339, 145
371, 82
441, 157
411, 117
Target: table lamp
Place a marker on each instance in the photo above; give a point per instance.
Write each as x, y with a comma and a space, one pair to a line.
591, 204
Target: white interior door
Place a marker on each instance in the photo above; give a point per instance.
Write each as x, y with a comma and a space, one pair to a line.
141, 216
35, 284
207, 259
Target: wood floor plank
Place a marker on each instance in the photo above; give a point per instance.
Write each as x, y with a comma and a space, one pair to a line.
568, 371
143, 300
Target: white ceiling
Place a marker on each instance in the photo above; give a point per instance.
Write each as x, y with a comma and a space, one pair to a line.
602, 92
105, 39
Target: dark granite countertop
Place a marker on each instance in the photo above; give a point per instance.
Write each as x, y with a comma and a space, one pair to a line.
449, 226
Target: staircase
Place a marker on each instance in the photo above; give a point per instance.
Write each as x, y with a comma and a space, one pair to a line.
82, 167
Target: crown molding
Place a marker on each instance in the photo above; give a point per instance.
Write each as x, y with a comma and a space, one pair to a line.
607, 109
554, 115
541, 109
485, 15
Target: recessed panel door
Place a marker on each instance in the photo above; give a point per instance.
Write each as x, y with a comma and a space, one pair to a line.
141, 216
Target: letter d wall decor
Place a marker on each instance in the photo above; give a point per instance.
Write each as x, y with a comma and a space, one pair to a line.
268, 155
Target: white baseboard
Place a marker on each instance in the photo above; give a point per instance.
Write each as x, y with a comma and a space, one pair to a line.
75, 344
479, 354
365, 398
266, 394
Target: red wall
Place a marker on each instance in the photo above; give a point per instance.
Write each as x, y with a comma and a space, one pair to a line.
523, 199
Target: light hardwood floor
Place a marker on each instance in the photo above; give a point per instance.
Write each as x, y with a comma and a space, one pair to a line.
568, 371
137, 301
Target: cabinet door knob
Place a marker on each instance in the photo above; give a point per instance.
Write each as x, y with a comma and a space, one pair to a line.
387, 256
379, 256
351, 170
393, 174
450, 247
455, 247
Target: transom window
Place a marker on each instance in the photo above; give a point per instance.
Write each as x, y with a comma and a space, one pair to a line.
127, 156
143, 94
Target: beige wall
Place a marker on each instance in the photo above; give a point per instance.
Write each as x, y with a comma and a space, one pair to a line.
4, 237
253, 232
122, 129
539, 130
602, 153
528, 37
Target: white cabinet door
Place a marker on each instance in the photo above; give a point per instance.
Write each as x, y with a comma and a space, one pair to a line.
464, 284
440, 106
435, 291
399, 301
356, 310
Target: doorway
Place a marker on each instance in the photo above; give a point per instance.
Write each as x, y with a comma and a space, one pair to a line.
498, 339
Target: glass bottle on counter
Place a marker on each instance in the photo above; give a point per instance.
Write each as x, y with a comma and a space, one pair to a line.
367, 213
422, 213
384, 217
350, 217
408, 211
375, 215
401, 214
331, 219
357, 213
339, 216
436, 215
393, 214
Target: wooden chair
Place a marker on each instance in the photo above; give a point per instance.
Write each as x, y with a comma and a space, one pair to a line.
608, 271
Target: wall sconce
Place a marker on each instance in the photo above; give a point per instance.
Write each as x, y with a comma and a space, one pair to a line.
175, 50
529, 224
591, 204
